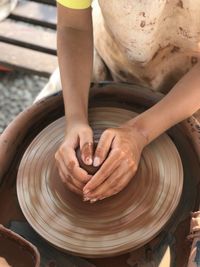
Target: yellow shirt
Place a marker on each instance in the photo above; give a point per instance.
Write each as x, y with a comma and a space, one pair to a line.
76, 4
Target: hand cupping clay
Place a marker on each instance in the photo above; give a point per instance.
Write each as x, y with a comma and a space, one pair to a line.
90, 169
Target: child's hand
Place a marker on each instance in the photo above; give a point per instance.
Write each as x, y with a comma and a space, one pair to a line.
125, 145
77, 135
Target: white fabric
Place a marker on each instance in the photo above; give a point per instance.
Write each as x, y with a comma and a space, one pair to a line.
152, 43
6, 7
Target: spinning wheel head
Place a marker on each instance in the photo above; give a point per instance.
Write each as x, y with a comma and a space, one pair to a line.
109, 227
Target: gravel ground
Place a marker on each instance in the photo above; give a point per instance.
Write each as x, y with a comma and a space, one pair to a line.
17, 91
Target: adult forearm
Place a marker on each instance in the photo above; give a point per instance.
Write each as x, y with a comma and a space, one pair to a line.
75, 55
180, 103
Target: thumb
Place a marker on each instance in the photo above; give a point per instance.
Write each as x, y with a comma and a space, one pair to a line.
86, 146
103, 147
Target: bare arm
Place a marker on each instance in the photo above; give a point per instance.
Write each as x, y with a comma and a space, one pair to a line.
128, 141
75, 55
180, 103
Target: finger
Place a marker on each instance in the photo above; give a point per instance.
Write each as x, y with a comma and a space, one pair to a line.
86, 147
114, 180
62, 168
109, 166
63, 177
67, 157
103, 147
68, 182
80, 175
77, 184
77, 173
73, 181
118, 188
74, 189
112, 186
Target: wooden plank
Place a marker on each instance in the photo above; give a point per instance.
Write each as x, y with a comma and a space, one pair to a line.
36, 13
26, 59
26, 35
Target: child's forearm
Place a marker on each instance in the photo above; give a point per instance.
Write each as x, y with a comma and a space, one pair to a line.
180, 103
75, 55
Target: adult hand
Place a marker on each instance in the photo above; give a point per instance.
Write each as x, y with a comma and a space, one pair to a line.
77, 135
125, 145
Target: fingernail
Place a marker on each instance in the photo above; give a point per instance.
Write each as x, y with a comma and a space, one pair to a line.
93, 200
86, 199
96, 162
86, 191
88, 161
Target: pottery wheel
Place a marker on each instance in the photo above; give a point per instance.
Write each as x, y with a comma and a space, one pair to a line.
109, 227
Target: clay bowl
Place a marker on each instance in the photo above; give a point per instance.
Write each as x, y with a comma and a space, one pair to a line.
17, 251
110, 227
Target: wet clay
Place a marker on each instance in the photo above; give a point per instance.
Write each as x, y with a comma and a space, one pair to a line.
90, 169
16, 251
